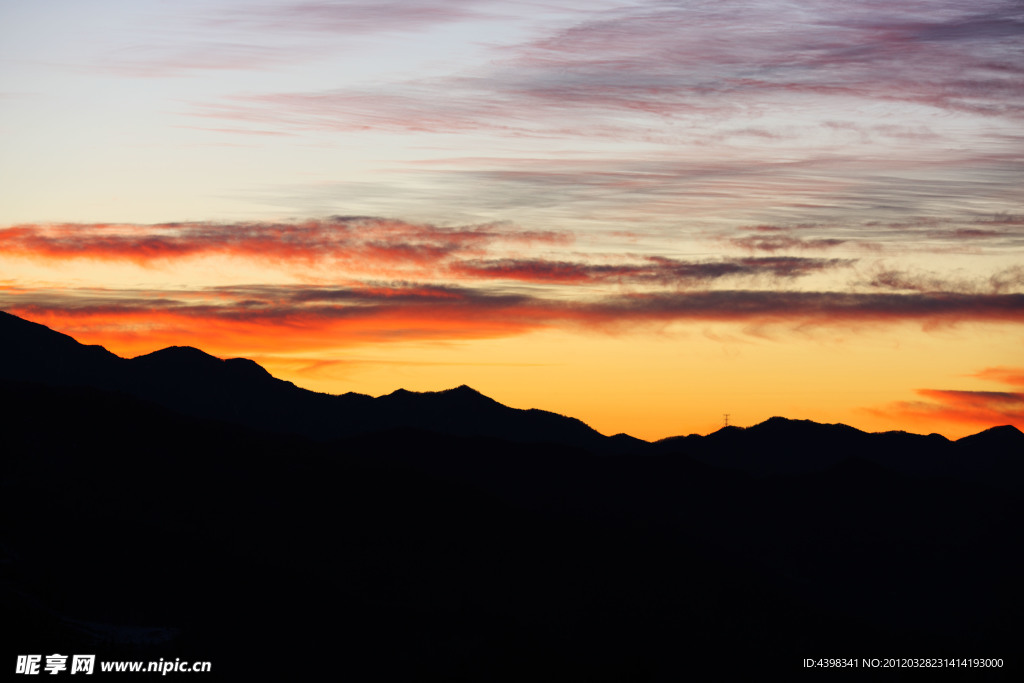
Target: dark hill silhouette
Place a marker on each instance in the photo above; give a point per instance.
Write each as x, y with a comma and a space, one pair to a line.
1005, 438
137, 532
781, 446
34, 352
239, 390
177, 505
467, 412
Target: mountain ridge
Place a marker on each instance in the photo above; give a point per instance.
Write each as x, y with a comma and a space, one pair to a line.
187, 356
194, 382
239, 390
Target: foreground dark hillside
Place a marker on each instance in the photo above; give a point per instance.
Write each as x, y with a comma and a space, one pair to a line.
146, 513
134, 532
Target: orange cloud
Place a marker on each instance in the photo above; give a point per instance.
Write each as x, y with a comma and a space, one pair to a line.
974, 408
1003, 375
977, 408
355, 240
269, 319
299, 317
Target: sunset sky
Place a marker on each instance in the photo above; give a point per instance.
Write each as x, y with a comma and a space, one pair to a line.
642, 214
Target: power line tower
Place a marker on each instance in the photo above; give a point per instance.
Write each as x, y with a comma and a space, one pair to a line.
726, 416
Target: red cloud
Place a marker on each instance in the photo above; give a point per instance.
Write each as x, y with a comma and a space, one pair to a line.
974, 408
365, 241
295, 318
380, 246
267, 318
1003, 375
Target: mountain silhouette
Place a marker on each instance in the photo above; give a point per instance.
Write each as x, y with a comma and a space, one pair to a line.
177, 505
238, 390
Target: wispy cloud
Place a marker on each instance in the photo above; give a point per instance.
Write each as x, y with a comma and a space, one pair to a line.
359, 241
975, 408
1004, 281
264, 318
349, 16
655, 270
918, 203
670, 60
308, 317
1003, 375
821, 112
271, 35
171, 59
812, 308
668, 56
361, 245
773, 243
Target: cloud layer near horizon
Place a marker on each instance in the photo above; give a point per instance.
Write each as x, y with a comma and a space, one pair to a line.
322, 317
427, 281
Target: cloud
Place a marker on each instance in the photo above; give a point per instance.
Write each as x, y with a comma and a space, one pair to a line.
950, 234
713, 193
655, 270
358, 241
164, 60
669, 60
264, 318
273, 35
385, 246
814, 308
1007, 280
1003, 375
349, 16
998, 231
974, 408
784, 243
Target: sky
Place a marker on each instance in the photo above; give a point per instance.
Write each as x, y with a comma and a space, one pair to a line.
647, 215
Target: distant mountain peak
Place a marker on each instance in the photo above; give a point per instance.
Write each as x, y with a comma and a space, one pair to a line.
729, 429
779, 420
1006, 430
182, 352
996, 436
463, 390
